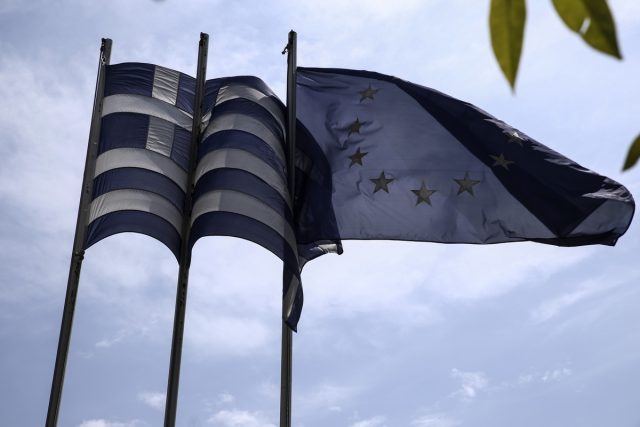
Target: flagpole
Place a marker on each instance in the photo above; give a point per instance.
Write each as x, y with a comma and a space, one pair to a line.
185, 252
286, 361
79, 240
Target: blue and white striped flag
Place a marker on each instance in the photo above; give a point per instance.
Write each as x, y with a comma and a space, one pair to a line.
240, 180
241, 176
143, 154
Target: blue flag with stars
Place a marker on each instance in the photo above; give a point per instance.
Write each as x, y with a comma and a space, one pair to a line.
382, 158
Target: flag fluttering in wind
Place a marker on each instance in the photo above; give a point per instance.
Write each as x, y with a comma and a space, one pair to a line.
377, 158
240, 178
143, 154
387, 159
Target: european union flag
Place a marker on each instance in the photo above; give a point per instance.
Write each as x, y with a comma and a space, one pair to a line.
381, 158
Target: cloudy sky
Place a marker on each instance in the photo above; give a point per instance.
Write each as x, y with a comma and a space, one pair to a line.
392, 333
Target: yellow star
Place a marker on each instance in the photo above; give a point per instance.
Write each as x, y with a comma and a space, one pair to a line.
368, 93
501, 161
355, 127
356, 158
423, 194
466, 184
381, 183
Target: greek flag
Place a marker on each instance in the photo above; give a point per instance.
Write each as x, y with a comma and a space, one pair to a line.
241, 176
143, 155
240, 179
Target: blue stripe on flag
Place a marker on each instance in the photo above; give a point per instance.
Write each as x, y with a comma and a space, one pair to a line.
243, 141
135, 222
250, 109
235, 225
180, 150
138, 179
120, 130
212, 87
129, 78
186, 93
245, 182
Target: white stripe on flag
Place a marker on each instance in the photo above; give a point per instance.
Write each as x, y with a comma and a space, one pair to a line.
146, 105
142, 159
235, 91
243, 160
245, 123
243, 204
165, 84
135, 200
160, 136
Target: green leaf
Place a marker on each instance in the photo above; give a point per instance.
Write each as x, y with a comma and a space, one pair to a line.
633, 154
592, 20
506, 24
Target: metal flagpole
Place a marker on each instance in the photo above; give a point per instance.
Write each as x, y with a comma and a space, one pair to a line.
185, 252
287, 335
78, 241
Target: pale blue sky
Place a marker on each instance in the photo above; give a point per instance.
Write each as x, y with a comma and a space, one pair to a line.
392, 333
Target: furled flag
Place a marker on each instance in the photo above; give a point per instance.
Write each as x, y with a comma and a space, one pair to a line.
143, 154
240, 179
382, 158
241, 176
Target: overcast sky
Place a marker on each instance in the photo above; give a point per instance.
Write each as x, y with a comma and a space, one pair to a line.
392, 333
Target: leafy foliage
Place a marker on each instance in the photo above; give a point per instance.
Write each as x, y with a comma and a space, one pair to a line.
633, 154
593, 21
506, 22
590, 19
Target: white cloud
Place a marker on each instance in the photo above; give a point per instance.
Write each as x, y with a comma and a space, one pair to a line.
377, 421
233, 299
476, 272
328, 395
226, 335
224, 398
471, 383
385, 278
106, 342
156, 400
238, 418
435, 420
269, 390
27, 165
533, 378
555, 375
525, 379
555, 306
105, 423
